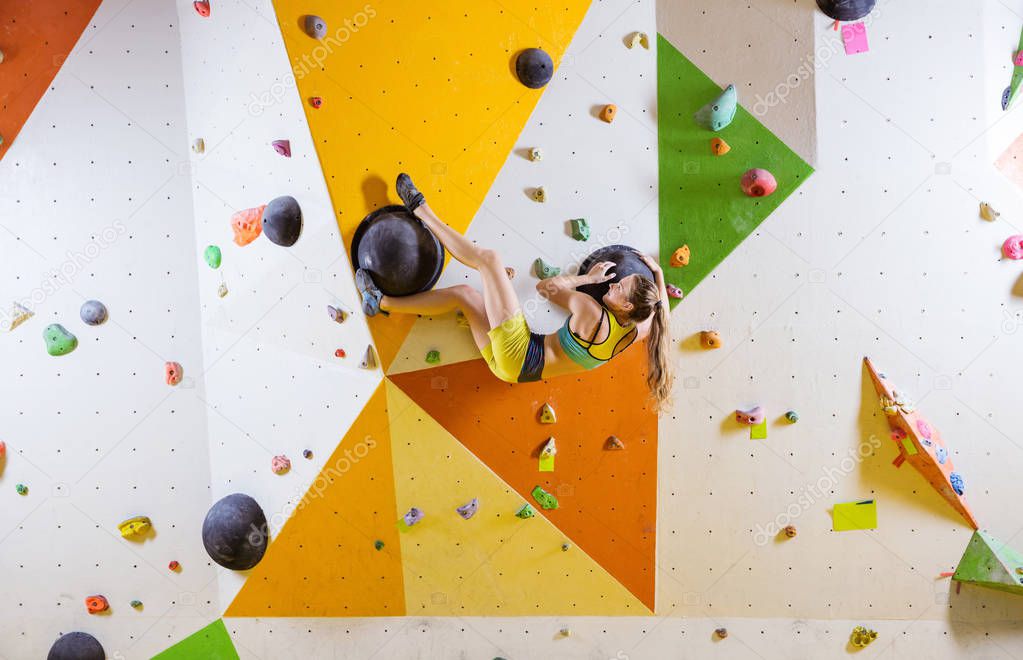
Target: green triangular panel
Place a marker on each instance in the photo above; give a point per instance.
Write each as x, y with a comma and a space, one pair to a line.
701, 202
990, 563
211, 643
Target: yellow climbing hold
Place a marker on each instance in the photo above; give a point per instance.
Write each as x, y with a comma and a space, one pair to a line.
134, 526
988, 213
547, 415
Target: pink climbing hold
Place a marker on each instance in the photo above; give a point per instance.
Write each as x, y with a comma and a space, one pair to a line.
751, 417
674, 291
247, 225
924, 428
1017, 59
1012, 248
283, 147
173, 372
758, 183
280, 464
202, 7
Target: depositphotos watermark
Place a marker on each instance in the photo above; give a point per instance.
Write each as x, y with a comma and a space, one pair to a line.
810, 494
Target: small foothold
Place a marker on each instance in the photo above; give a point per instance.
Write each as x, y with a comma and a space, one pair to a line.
174, 566
790, 531
526, 511
340, 353
544, 270
280, 464
608, 112
247, 225
534, 68
540, 195
639, 39
614, 443
565, 632
413, 516
580, 229
213, 256
862, 636
792, 416
510, 272
315, 102
3, 450
461, 319
307, 454
378, 544
282, 221
58, 340
550, 448
336, 314
202, 7
93, 312
988, 213
547, 415
199, 146
222, 290
758, 183
544, 499
21, 489
720, 112
137, 604
369, 359
469, 510
134, 526
710, 339
283, 147
680, 257
173, 373
1012, 248
674, 291
719, 147
898, 434
315, 26
1, 62
536, 154
96, 604
721, 633
1017, 59
750, 417
565, 547
941, 454
19, 314
433, 357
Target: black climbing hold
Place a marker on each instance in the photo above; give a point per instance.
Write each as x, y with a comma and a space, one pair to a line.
846, 10
235, 532
282, 221
76, 646
534, 68
627, 262
398, 251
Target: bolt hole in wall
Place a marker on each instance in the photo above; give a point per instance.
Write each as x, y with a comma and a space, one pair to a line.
197, 462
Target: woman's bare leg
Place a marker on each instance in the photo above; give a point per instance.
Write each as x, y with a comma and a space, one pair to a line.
442, 301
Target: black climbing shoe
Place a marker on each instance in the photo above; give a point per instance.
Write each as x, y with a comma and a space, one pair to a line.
371, 295
408, 192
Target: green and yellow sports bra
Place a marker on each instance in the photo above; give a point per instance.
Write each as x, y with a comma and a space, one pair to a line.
590, 355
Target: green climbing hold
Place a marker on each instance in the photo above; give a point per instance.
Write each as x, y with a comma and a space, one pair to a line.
545, 499
379, 545
212, 256
792, 416
136, 604
21, 488
433, 357
527, 511
58, 340
580, 229
544, 270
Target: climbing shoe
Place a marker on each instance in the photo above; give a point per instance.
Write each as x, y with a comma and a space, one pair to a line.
371, 295
408, 192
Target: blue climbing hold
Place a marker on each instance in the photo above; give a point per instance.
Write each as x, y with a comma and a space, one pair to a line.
957, 483
720, 112
942, 454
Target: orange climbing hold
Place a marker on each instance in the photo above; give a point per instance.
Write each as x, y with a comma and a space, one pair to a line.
96, 604
710, 339
680, 257
247, 225
608, 112
719, 147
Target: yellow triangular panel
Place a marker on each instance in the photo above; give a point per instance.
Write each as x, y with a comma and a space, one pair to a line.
493, 563
423, 87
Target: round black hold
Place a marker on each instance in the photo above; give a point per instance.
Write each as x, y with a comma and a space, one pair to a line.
846, 10
627, 262
402, 255
76, 646
534, 68
235, 532
282, 221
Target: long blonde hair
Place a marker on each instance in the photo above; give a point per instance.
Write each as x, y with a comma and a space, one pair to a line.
646, 303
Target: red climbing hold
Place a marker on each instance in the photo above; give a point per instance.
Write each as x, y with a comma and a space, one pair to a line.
340, 353
174, 566
202, 7
315, 101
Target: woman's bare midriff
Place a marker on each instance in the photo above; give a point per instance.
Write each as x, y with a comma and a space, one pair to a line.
556, 363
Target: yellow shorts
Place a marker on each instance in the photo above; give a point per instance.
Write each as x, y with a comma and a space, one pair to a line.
506, 351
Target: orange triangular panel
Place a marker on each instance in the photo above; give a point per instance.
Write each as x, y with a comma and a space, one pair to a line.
324, 562
36, 38
607, 498
423, 87
922, 447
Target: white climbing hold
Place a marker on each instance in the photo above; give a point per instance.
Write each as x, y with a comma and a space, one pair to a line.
535, 154
369, 360
199, 146
550, 448
222, 290
19, 314
639, 39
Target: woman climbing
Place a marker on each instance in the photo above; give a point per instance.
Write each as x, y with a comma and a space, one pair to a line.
634, 309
